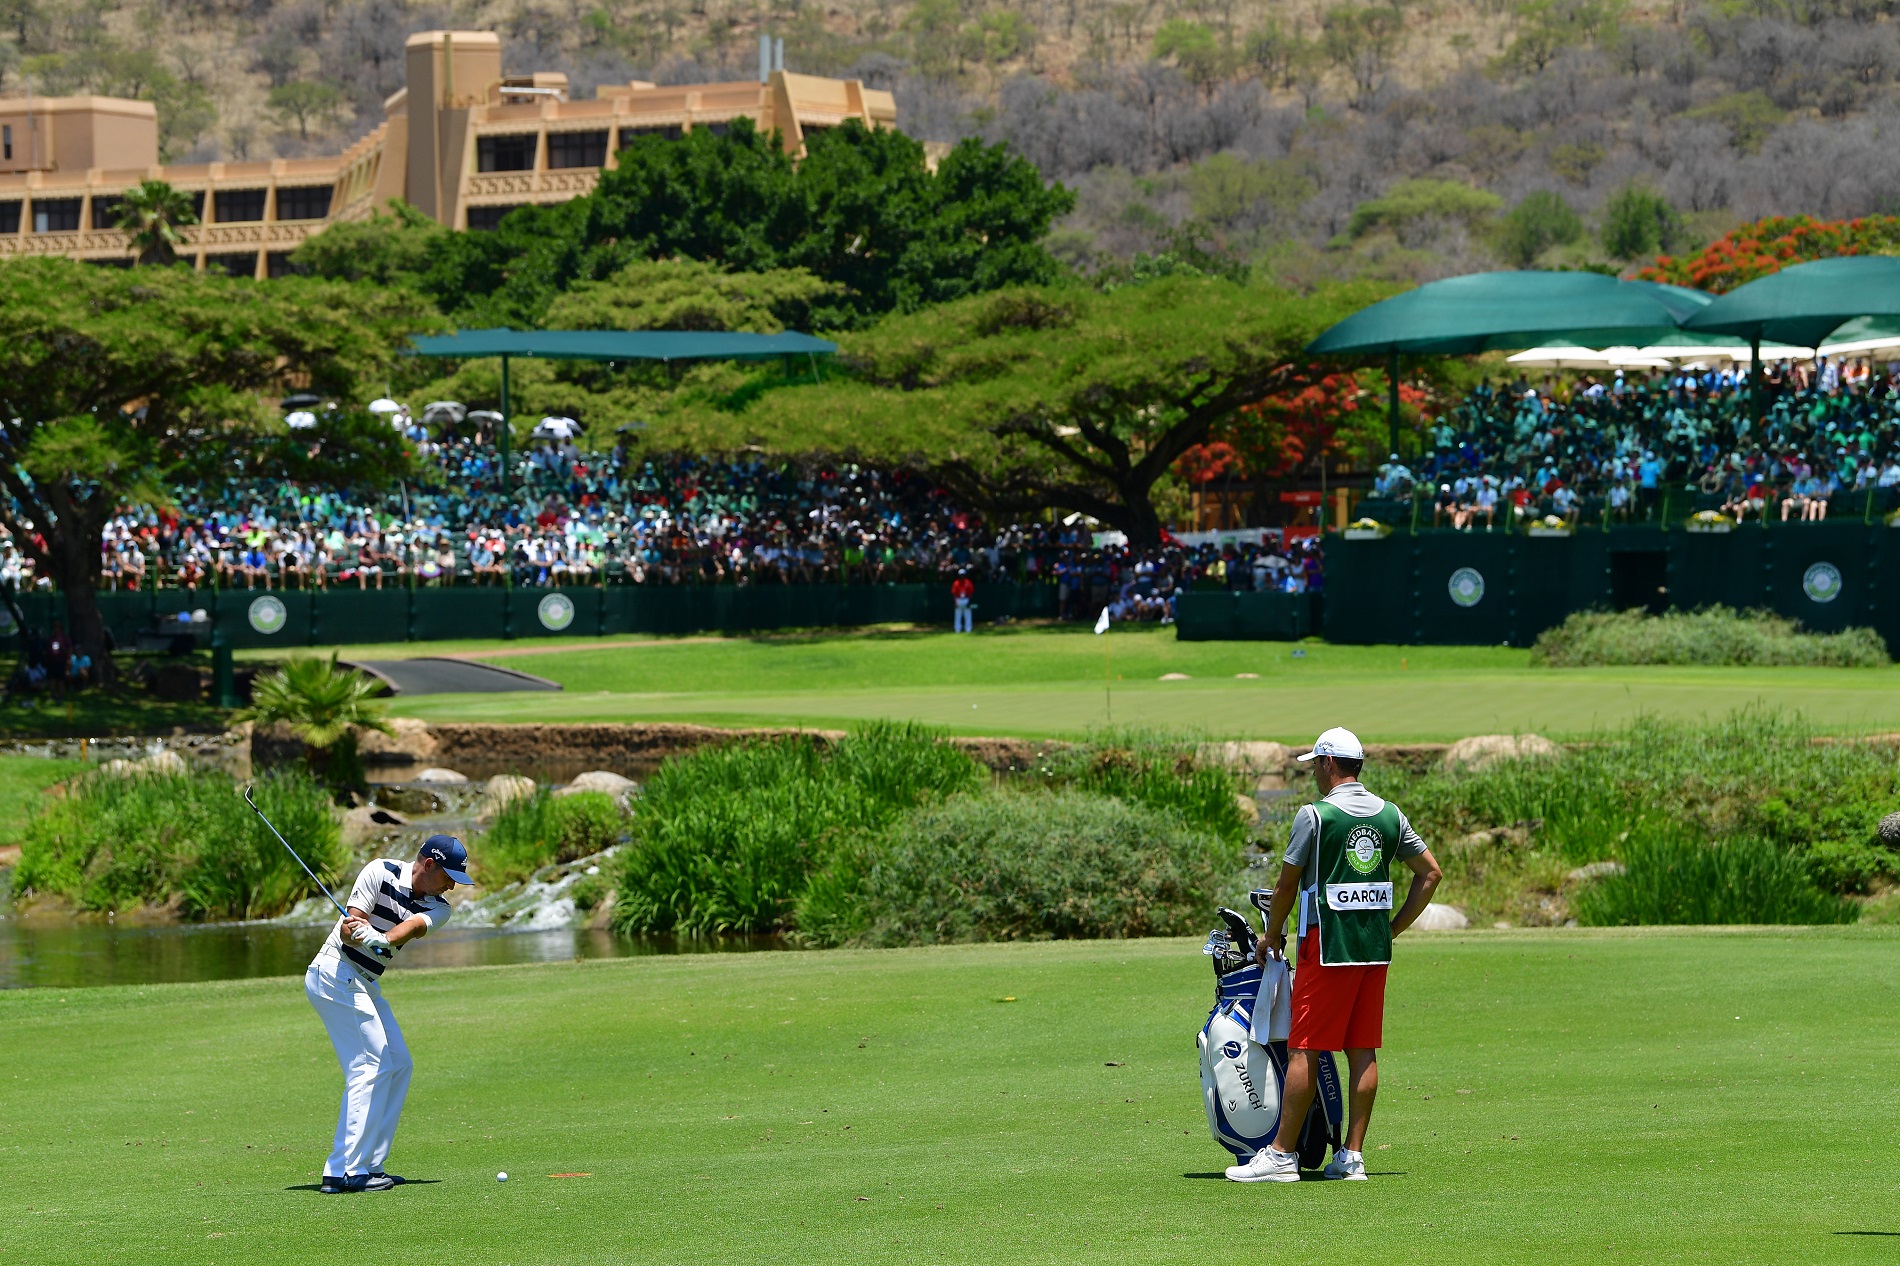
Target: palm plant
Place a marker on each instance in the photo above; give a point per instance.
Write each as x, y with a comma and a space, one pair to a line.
155, 215
323, 705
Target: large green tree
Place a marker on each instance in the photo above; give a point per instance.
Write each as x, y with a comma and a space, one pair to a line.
115, 384
1044, 396
863, 209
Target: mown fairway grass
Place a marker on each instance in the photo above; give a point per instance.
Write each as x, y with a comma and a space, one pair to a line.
1553, 1097
1048, 682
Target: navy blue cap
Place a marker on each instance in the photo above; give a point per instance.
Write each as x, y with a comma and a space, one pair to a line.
447, 852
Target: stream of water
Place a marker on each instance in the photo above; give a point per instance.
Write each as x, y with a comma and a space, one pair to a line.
71, 954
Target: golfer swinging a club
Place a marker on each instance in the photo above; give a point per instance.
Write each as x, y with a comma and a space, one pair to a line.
1339, 863
391, 905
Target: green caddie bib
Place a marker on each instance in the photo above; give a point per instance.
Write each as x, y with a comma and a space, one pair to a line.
1354, 885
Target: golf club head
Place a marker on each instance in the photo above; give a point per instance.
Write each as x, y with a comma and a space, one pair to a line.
1262, 900
1240, 928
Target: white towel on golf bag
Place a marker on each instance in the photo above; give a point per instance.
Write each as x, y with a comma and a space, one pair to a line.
1272, 1019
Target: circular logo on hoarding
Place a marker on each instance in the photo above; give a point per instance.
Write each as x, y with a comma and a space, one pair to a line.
1822, 582
1362, 850
268, 615
1467, 587
556, 611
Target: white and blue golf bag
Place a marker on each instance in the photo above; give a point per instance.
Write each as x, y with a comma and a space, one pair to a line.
1243, 1053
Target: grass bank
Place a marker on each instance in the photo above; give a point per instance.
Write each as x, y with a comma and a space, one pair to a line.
1045, 682
23, 781
1547, 1098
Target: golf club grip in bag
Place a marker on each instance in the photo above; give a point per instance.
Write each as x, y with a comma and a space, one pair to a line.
1242, 1080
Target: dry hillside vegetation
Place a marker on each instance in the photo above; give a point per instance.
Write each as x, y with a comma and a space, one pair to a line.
1398, 139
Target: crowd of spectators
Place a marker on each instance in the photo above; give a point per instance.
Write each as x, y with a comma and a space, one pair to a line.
1639, 446
575, 517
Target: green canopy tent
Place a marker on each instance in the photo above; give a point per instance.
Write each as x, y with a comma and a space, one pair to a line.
1507, 311
1805, 304
666, 346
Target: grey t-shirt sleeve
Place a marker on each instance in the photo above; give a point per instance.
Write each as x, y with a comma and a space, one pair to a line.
1299, 848
1411, 843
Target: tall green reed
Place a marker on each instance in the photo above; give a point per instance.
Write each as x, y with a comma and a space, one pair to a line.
539, 830
726, 838
182, 840
1674, 876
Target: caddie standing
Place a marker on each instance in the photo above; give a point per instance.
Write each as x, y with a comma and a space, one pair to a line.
1339, 863
392, 904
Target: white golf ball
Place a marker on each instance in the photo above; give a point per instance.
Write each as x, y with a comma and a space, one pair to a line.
502, 1176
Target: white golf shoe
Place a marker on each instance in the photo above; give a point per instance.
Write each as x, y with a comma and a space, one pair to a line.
1350, 1166
1267, 1165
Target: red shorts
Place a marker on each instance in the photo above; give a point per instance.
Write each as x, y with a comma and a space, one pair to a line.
1336, 1008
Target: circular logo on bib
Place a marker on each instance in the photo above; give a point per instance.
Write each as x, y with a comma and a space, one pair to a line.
1362, 850
556, 611
268, 615
1467, 587
1822, 582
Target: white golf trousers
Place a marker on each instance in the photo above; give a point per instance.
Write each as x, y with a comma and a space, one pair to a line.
375, 1060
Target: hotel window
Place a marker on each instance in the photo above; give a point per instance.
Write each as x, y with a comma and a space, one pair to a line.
718, 127
198, 205
10, 216
105, 210
486, 217
514, 152
233, 206
6, 141
303, 202
233, 265
577, 149
55, 215
277, 264
671, 131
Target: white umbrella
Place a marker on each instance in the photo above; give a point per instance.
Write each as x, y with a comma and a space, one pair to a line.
300, 420
385, 405
443, 411
556, 429
1560, 357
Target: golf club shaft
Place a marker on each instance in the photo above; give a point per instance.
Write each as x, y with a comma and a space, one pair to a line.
293, 852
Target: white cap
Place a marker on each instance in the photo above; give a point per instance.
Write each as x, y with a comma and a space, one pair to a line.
1337, 742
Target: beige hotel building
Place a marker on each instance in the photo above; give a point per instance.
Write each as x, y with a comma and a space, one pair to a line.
461, 141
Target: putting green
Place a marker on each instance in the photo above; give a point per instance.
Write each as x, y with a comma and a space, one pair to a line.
1547, 1097
1050, 682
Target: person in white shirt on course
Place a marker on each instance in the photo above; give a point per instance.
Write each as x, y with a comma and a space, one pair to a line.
392, 904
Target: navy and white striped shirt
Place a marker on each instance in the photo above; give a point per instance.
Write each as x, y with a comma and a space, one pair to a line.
382, 888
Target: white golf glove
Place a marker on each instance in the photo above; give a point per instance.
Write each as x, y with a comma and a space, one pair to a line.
370, 939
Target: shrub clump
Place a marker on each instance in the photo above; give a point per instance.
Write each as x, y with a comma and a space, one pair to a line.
727, 838
539, 830
1713, 635
185, 840
1041, 865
